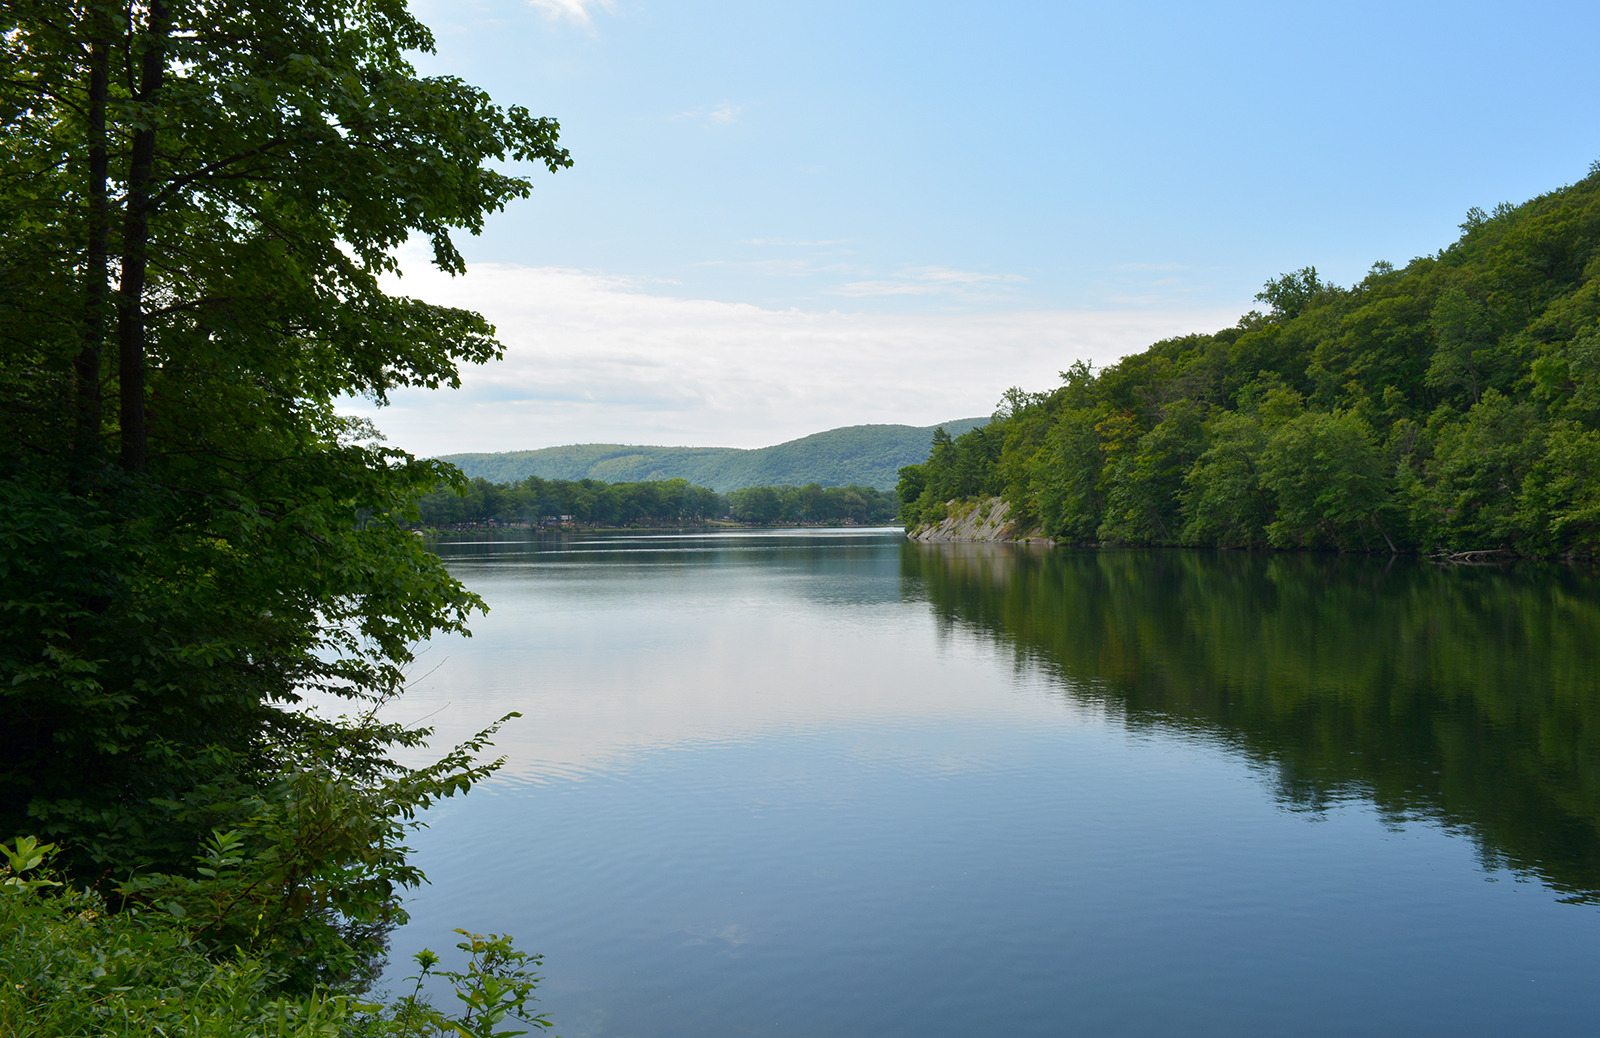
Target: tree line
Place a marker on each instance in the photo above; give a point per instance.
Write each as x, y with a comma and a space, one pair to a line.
1452, 405
649, 503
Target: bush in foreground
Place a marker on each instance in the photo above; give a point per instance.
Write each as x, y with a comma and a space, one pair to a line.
74, 966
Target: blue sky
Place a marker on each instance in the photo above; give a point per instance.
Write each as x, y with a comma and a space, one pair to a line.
789, 216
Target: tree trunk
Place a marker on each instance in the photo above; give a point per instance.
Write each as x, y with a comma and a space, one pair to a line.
87, 366
135, 242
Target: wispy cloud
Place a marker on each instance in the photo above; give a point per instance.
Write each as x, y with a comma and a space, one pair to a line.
925, 281
720, 114
596, 358
792, 267
574, 11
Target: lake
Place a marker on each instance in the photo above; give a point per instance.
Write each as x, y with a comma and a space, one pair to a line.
814, 782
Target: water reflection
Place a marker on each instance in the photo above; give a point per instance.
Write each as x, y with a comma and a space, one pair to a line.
1466, 696
818, 782
620, 645
841, 566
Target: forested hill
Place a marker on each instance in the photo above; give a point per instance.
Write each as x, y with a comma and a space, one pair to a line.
867, 455
1449, 405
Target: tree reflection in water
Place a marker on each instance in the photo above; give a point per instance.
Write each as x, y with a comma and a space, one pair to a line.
1469, 696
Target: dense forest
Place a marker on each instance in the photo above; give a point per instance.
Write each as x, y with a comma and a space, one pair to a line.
1452, 405
669, 502
866, 455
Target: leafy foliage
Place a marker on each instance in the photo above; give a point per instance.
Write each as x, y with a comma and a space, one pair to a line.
497, 983
175, 574
197, 202
307, 881
73, 966
1446, 406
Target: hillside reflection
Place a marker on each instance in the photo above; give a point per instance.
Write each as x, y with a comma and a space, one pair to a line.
1469, 696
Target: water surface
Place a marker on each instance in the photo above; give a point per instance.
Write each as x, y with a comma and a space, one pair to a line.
807, 782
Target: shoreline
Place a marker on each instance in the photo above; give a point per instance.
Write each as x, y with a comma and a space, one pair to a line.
709, 524
987, 521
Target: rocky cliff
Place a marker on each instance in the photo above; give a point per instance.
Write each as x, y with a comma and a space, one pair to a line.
987, 519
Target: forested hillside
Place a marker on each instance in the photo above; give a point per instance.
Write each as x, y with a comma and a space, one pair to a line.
1449, 405
868, 455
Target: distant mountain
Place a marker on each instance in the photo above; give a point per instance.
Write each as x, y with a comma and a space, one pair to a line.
866, 455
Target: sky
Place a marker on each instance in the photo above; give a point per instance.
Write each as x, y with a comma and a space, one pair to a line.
786, 217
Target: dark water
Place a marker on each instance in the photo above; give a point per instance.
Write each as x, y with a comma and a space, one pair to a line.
815, 782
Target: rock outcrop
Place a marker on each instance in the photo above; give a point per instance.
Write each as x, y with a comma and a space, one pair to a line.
988, 519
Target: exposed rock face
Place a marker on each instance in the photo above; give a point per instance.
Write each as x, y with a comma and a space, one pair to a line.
985, 520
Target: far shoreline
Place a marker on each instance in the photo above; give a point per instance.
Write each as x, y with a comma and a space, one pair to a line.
433, 532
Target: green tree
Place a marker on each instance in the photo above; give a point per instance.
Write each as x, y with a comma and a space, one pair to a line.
1288, 295
1463, 332
1145, 484
756, 505
1224, 501
913, 480
1567, 376
196, 205
1467, 493
1027, 419
1070, 500
1559, 503
1329, 482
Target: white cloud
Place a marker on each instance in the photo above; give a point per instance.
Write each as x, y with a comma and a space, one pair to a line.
574, 11
790, 267
946, 276
924, 281
597, 358
713, 115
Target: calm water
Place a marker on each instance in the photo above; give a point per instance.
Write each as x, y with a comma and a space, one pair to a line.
805, 782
